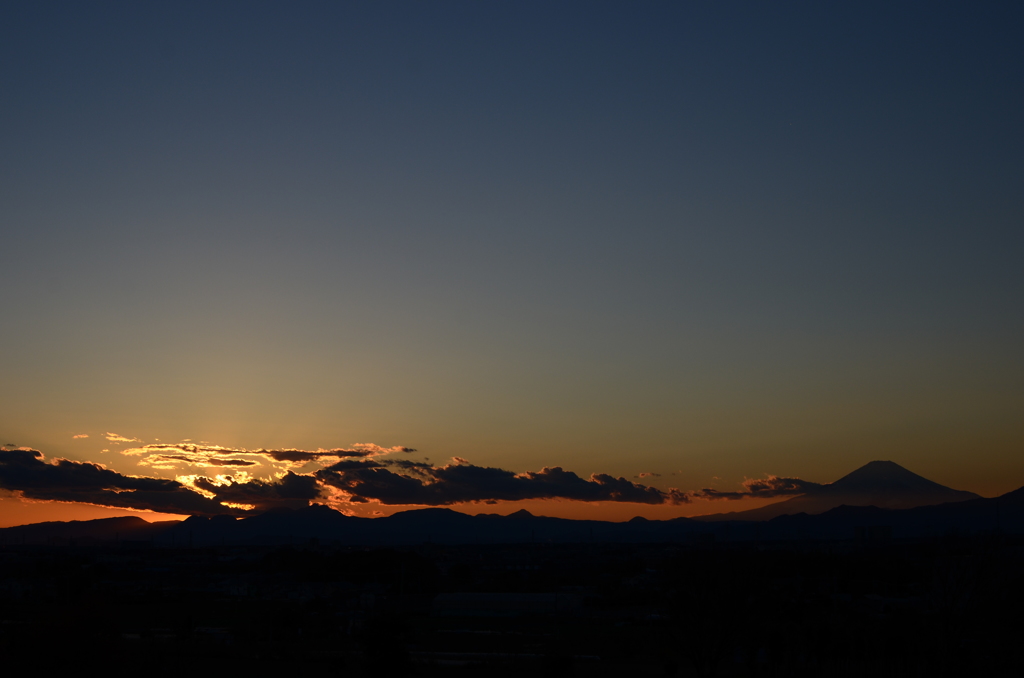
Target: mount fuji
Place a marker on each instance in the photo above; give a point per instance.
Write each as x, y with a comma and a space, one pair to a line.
884, 484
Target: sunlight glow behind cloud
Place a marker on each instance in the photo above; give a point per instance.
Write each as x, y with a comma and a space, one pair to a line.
365, 473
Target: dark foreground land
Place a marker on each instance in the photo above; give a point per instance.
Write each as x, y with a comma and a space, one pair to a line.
945, 606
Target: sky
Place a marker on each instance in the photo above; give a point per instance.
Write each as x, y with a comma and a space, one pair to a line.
709, 243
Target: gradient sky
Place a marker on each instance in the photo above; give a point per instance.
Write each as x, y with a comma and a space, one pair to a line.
709, 241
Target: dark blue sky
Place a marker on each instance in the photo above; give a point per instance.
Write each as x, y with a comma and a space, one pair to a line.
716, 240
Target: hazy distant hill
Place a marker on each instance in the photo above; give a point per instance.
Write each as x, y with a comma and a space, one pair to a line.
82, 532
1003, 514
884, 484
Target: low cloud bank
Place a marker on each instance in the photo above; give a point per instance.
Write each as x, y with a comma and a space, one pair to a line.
290, 491
764, 488
461, 482
26, 472
360, 474
167, 456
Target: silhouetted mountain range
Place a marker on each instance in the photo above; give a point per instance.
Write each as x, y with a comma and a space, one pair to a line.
884, 482
127, 528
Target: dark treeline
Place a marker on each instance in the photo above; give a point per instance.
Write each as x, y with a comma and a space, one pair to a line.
934, 607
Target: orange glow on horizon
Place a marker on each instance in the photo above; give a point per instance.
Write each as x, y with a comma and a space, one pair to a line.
16, 511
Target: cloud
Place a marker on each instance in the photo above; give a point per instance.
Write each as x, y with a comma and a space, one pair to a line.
160, 455
25, 471
290, 491
775, 486
349, 464
464, 482
373, 450
406, 464
649, 475
362, 473
399, 481
115, 438
765, 488
80, 435
305, 456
